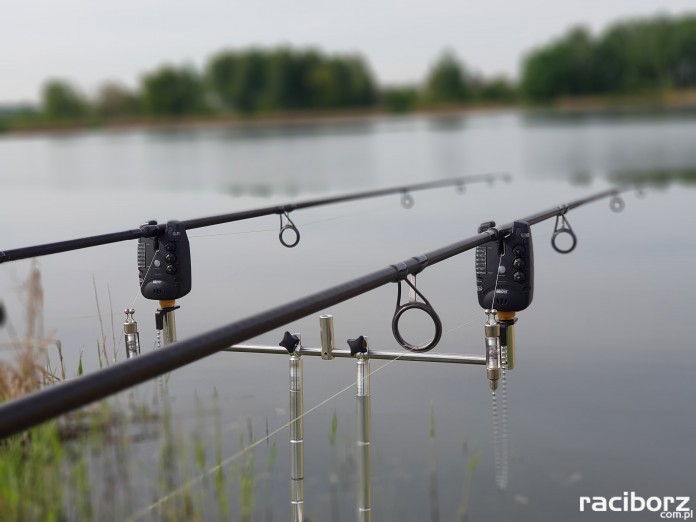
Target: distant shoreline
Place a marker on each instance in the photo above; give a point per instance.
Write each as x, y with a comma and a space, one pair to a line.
682, 100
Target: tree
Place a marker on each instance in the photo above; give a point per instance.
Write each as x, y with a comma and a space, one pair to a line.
171, 91
61, 101
114, 100
630, 56
567, 66
446, 81
260, 80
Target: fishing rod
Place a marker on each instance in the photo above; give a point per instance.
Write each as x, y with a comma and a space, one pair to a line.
38, 407
152, 229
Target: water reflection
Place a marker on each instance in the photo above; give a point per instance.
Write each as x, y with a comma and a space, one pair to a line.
658, 178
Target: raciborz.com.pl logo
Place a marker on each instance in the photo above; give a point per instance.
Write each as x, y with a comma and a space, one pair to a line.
629, 502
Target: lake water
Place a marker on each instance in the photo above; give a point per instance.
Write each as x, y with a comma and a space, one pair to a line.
601, 401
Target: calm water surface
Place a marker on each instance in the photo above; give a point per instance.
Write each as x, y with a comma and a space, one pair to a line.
602, 400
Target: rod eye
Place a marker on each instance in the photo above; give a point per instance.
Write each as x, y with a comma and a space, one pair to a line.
436, 322
559, 232
289, 243
407, 200
616, 204
563, 227
286, 225
414, 304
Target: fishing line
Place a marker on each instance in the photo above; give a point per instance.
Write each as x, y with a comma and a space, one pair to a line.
253, 445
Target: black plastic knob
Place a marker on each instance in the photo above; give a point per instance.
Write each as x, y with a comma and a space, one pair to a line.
170, 258
519, 277
358, 345
170, 247
518, 263
171, 269
290, 342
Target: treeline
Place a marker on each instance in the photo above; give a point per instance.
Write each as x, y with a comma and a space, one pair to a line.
634, 56
257, 81
244, 82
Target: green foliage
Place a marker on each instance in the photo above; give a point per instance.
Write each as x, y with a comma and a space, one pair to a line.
61, 101
24, 463
497, 89
115, 100
257, 80
432, 422
334, 429
172, 91
630, 56
447, 81
642, 56
399, 99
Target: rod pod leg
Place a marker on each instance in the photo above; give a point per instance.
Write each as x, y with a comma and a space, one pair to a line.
296, 439
364, 428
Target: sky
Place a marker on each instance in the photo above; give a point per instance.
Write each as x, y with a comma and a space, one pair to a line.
89, 42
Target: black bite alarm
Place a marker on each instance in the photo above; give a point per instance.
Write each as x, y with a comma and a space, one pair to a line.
164, 263
506, 266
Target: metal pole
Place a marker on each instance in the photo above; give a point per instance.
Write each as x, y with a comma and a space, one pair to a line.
387, 356
166, 313
364, 495
296, 439
169, 327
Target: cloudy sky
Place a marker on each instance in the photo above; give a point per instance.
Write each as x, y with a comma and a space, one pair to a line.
90, 41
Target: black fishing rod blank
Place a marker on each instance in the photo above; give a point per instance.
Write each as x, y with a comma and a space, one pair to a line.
38, 407
152, 229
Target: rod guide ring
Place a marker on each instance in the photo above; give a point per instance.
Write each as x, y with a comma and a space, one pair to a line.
436, 322
414, 304
407, 200
563, 227
285, 225
617, 204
